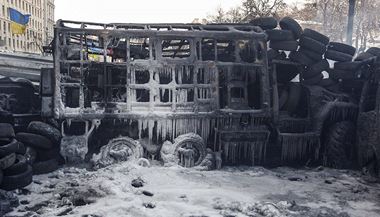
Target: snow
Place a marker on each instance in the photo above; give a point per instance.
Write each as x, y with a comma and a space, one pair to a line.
232, 191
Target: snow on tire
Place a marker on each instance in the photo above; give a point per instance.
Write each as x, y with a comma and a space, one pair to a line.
118, 150
190, 149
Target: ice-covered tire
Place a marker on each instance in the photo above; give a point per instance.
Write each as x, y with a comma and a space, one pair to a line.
339, 144
45, 130
314, 80
191, 141
349, 66
18, 181
313, 45
44, 167
280, 35
300, 58
316, 36
6, 131
34, 140
20, 166
343, 48
13, 146
289, 23
265, 22
7, 161
295, 91
284, 45
311, 54
337, 56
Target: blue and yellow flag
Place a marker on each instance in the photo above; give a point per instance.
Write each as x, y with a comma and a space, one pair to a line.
19, 21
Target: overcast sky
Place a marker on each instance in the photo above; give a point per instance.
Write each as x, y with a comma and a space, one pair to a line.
140, 11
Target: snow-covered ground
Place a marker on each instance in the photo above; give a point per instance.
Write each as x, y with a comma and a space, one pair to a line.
242, 191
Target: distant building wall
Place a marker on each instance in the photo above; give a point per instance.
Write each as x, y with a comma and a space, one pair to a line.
40, 28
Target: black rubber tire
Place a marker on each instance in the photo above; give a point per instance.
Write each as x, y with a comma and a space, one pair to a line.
339, 143
312, 44
44, 167
343, 48
300, 58
45, 130
284, 45
6, 117
348, 66
44, 155
34, 140
341, 74
283, 98
286, 73
1, 179
12, 147
7, 161
265, 22
312, 55
321, 66
6, 131
295, 92
18, 181
271, 54
374, 51
30, 155
316, 36
328, 82
314, 80
280, 35
19, 167
337, 56
364, 56
289, 23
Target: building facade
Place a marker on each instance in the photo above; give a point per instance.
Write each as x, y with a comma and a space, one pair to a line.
40, 28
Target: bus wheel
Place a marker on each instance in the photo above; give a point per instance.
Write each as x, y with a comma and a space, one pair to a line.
190, 149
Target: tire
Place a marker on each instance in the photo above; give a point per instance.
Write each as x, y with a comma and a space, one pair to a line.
308, 73
288, 23
12, 147
7, 161
18, 181
34, 140
316, 36
348, 66
44, 155
280, 35
318, 68
341, 74
6, 131
30, 155
313, 45
195, 141
337, 56
45, 130
283, 99
328, 82
314, 80
44, 167
265, 22
343, 48
19, 167
284, 45
286, 73
311, 54
271, 54
6, 117
300, 58
295, 91
374, 51
364, 56
339, 144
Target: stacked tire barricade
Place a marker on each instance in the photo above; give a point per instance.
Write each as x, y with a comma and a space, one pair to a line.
28, 146
328, 64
